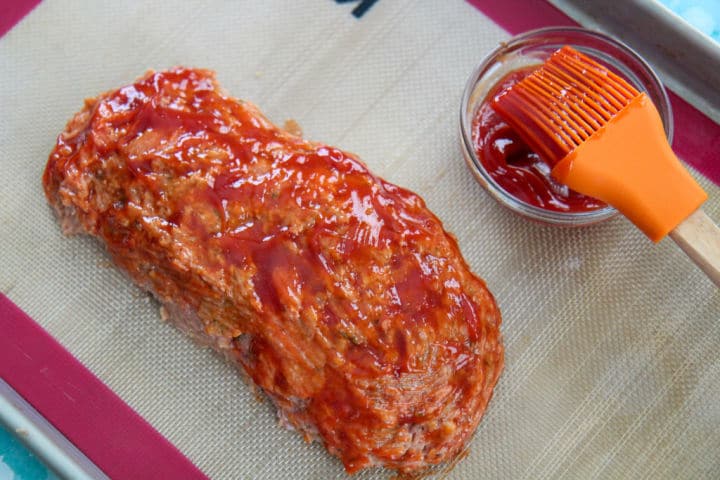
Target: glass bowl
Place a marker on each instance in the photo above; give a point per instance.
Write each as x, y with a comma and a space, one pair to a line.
532, 48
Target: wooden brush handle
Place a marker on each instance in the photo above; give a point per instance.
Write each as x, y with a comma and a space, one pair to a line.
699, 238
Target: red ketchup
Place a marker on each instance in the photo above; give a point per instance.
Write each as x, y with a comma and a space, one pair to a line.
514, 166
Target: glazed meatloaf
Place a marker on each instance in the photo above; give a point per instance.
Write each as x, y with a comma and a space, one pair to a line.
339, 294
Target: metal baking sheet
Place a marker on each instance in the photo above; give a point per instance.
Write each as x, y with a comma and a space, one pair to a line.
58, 458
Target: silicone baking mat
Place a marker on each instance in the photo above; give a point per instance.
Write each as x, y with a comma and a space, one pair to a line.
612, 364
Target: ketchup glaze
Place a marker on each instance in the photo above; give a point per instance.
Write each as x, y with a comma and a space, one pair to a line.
517, 169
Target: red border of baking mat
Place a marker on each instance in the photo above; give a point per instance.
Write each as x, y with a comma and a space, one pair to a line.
107, 430
12, 11
697, 137
118, 440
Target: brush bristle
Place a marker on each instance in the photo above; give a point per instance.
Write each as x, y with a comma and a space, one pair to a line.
560, 105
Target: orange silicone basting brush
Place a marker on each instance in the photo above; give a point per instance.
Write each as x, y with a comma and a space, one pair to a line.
605, 139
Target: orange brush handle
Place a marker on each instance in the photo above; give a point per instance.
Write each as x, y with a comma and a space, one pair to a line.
629, 164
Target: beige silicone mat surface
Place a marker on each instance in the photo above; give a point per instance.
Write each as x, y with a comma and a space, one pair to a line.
613, 368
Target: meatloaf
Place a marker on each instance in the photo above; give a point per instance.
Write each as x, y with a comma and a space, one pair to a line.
339, 294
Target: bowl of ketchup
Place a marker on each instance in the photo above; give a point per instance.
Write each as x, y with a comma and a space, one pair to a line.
502, 163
